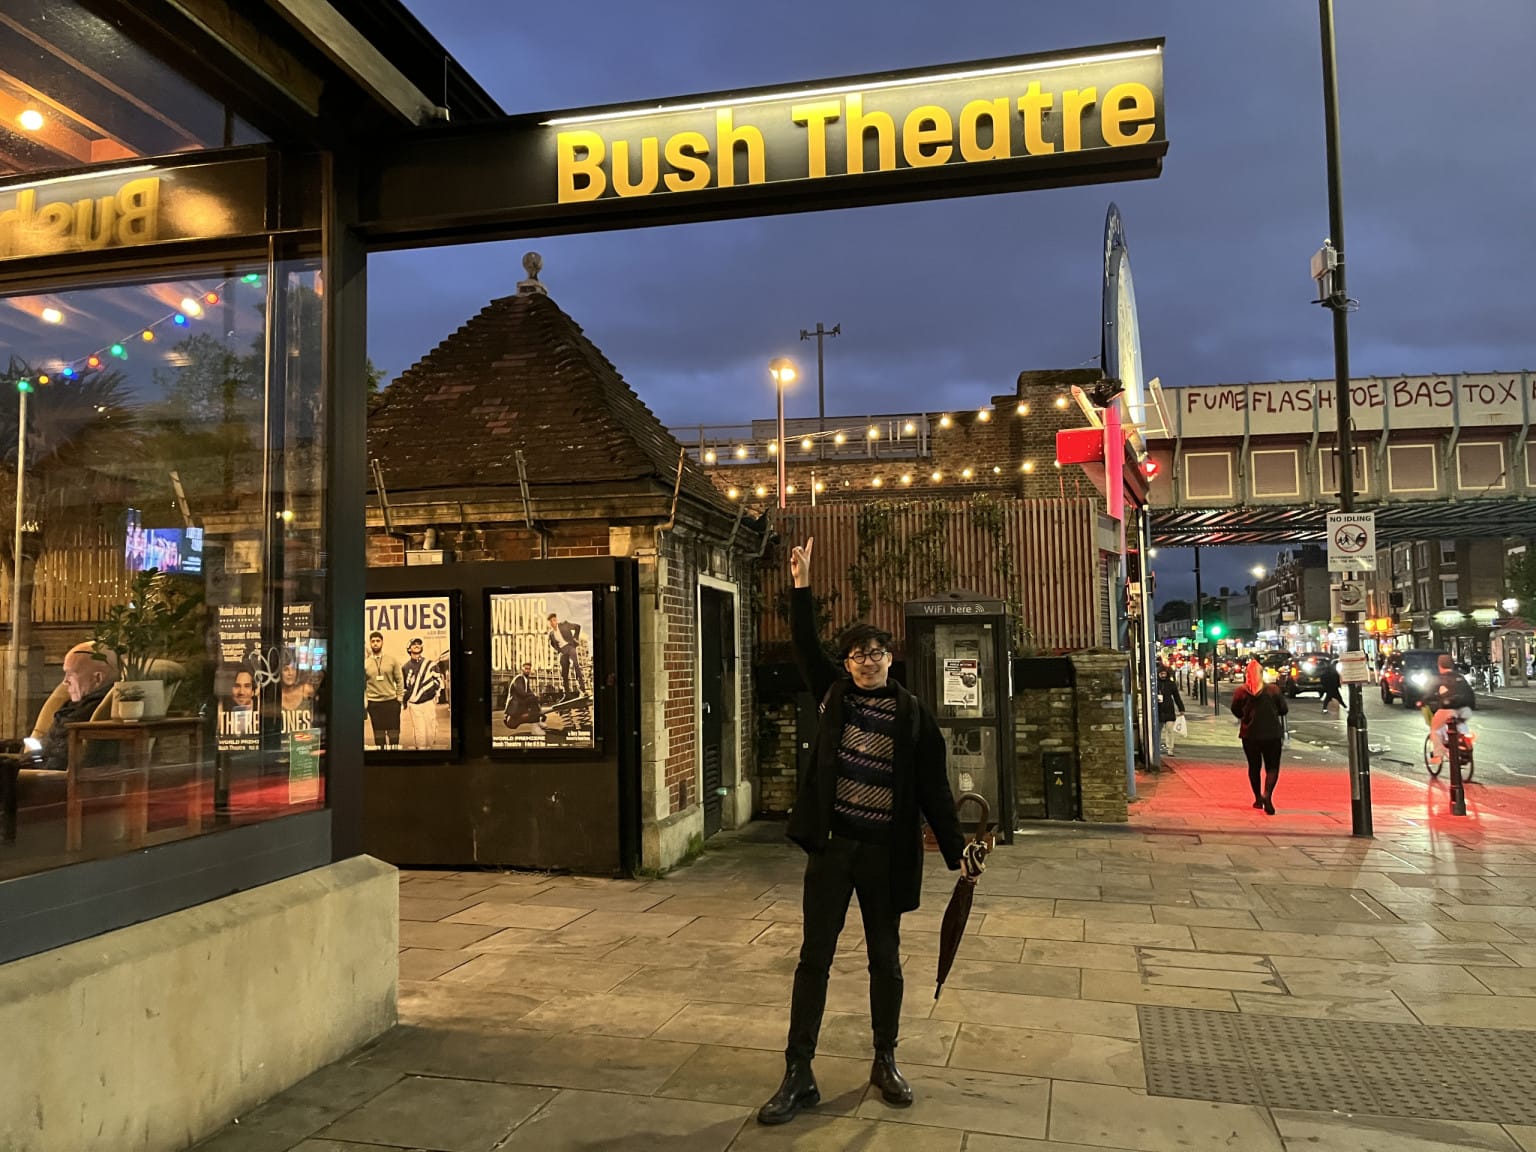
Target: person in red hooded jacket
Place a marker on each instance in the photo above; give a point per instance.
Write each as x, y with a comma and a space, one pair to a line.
1261, 708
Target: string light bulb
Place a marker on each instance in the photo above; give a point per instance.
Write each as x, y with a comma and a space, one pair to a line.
820, 487
906, 477
211, 298
966, 473
874, 433
909, 427
741, 451
984, 415
1057, 463
789, 489
805, 444
944, 421
179, 320
43, 378
876, 482
1027, 466
119, 352
997, 469
52, 316
937, 476
30, 119
709, 456
1023, 408
839, 439
147, 335
762, 490
1061, 401
93, 361
732, 493
191, 307
773, 447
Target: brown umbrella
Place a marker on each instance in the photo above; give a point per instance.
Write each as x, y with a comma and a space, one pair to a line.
959, 910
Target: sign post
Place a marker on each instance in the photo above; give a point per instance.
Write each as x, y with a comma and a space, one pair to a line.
1351, 540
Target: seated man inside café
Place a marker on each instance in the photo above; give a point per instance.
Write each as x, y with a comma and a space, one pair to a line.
89, 673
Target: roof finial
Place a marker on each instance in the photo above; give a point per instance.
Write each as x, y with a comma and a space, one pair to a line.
532, 263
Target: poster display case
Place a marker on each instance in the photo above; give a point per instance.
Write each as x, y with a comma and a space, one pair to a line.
543, 648
411, 651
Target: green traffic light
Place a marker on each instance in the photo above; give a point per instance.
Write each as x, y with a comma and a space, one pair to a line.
1217, 629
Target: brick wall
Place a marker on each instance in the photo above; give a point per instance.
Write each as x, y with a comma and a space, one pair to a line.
776, 758
1101, 734
679, 646
1042, 722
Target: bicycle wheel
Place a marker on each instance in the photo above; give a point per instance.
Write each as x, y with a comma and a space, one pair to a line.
1429, 753
1467, 764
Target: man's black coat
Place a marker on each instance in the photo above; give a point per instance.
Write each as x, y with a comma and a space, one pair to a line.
922, 778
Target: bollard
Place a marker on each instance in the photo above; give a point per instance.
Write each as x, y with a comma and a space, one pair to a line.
1453, 751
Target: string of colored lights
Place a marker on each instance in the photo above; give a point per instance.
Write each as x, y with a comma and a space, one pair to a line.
192, 308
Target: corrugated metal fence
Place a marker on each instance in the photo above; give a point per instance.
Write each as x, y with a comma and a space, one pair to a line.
897, 552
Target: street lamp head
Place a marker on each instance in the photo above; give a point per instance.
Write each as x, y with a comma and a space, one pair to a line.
1510, 605
1258, 571
782, 370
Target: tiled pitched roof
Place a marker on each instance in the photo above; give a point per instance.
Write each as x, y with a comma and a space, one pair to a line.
522, 374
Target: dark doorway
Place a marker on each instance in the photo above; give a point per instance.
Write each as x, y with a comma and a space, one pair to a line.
716, 674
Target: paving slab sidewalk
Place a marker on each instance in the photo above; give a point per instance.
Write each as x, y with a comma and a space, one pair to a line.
560, 1013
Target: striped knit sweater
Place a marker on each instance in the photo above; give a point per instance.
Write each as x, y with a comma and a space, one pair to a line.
866, 766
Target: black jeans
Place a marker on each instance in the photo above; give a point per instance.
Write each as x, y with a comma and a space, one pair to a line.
831, 878
1266, 752
571, 662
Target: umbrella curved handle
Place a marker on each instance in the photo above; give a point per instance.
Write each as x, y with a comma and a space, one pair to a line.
985, 823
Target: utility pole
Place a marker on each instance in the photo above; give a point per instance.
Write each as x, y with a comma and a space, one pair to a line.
1328, 269
820, 335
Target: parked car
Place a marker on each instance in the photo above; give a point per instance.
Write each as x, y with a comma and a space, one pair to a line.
1307, 673
1410, 676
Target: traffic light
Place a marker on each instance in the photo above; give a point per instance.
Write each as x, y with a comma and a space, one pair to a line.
1213, 621
1215, 629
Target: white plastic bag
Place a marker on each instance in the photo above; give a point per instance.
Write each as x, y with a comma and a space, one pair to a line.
1181, 725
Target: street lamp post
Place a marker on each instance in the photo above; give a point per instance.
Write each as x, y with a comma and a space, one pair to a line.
1329, 268
783, 372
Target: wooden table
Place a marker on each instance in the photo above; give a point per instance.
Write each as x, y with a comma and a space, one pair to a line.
130, 770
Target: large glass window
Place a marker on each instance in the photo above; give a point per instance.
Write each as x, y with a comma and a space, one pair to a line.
161, 471
74, 90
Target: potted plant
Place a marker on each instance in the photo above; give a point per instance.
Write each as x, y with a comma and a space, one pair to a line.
128, 703
154, 635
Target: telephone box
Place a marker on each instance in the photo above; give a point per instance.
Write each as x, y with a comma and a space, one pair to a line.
960, 665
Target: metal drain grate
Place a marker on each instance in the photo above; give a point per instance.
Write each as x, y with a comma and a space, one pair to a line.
1380, 1069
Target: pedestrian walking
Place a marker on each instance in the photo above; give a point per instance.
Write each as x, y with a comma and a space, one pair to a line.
1261, 708
1329, 679
1170, 706
876, 773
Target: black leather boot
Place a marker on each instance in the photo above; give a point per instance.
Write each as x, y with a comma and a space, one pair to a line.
798, 1091
884, 1075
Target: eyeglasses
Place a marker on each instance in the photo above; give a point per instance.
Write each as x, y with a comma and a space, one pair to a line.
873, 656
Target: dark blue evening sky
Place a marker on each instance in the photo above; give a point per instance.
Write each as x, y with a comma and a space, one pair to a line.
942, 303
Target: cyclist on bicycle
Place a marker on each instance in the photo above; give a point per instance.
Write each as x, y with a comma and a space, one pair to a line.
1451, 699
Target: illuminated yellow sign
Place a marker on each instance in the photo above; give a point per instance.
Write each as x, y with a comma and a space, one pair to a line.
1029, 110
32, 226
